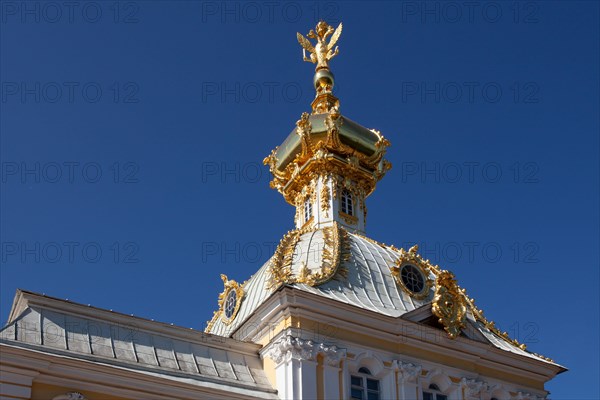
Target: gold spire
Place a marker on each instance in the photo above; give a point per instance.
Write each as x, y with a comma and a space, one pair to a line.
328, 164
321, 54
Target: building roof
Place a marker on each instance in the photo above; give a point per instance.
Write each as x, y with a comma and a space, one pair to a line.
364, 278
42, 323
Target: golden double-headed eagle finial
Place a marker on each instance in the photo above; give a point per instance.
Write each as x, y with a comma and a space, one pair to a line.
322, 52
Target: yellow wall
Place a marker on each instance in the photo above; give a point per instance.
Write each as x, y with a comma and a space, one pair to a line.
269, 367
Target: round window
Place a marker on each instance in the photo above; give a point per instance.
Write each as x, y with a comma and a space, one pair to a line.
412, 278
230, 303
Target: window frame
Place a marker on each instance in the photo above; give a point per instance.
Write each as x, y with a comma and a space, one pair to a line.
228, 305
347, 202
434, 392
412, 276
308, 211
365, 375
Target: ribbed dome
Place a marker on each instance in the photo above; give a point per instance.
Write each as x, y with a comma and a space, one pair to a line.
363, 279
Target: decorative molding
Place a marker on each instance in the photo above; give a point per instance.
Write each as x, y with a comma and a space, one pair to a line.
70, 396
327, 156
411, 257
499, 391
335, 186
332, 355
291, 348
229, 285
304, 129
336, 249
528, 396
349, 219
473, 387
308, 224
280, 266
440, 377
325, 197
448, 304
408, 372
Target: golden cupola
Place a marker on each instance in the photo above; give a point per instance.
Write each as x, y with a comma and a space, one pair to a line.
328, 164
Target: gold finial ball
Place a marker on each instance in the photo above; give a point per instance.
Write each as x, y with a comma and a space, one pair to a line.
323, 80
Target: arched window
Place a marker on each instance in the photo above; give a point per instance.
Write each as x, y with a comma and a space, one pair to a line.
364, 386
434, 393
347, 206
307, 210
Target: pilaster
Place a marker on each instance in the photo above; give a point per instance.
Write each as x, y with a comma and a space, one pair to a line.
296, 367
408, 382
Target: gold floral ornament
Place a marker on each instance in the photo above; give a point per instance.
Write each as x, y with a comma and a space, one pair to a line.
336, 249
230, 299
468, 301
449, 304
322, 52
408, 264
325, 197
280, 268
304, 129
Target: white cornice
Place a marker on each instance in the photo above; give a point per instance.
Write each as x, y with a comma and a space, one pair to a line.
298, 303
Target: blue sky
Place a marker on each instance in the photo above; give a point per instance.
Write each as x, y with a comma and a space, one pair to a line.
132, 139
